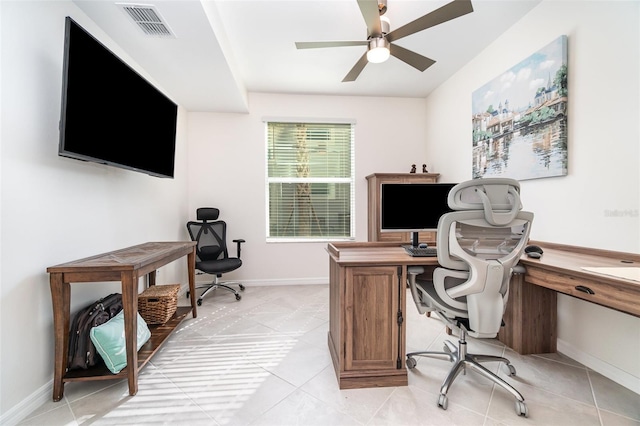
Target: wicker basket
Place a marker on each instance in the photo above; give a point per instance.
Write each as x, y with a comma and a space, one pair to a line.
158, 303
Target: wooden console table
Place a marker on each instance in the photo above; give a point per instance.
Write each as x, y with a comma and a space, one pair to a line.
126, 266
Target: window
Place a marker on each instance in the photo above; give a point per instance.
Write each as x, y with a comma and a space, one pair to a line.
310, 181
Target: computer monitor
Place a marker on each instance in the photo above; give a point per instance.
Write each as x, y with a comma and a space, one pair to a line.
413, 207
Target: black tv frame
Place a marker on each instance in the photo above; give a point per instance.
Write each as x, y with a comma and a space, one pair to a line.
110, 114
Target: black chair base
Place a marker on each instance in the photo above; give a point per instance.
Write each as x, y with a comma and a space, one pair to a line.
216, 284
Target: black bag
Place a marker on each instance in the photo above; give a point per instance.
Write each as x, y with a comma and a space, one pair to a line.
82, 352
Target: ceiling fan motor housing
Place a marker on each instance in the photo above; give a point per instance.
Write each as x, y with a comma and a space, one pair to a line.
376, 42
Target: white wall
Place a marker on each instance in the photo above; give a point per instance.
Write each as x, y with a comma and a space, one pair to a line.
227, 170
604, 156
56, 209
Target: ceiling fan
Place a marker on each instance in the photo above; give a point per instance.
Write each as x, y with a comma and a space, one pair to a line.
380, 39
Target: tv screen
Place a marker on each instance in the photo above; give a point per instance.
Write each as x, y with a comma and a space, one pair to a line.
413, 207
110, 114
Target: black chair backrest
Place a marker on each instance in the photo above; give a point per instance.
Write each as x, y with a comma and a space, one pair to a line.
211, 237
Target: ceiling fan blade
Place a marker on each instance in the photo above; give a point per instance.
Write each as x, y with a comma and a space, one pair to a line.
371, 15
318, 44
449, 11
357, 69
414, 59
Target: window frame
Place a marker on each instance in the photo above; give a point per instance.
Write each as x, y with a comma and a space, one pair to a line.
291, 180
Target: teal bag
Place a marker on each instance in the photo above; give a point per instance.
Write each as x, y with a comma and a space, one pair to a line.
109, 341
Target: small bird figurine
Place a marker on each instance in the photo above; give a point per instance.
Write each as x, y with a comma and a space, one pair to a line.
413, 168
424, 169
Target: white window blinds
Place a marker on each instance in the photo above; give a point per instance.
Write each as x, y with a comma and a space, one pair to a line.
310, 181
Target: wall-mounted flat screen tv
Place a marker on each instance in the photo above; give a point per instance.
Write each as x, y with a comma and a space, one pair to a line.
110, 114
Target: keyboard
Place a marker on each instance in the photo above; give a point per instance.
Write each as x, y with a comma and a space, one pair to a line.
421, 252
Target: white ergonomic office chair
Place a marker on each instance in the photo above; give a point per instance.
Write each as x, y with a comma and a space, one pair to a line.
479, 245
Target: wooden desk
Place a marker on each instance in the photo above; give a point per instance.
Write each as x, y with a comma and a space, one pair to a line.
531, 313
126, 266
367, 285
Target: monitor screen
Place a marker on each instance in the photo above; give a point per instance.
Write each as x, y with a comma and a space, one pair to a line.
110, 114
413, 207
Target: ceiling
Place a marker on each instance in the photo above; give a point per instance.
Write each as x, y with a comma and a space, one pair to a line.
223, 49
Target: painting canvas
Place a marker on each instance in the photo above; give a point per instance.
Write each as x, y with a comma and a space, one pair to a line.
520, 118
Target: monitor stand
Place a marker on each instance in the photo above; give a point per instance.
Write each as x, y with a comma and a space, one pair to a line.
414, 239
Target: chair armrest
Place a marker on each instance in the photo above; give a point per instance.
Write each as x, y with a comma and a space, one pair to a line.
415, 270
239, 243
519, 269
421, 304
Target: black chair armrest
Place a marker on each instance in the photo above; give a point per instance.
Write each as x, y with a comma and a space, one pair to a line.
239, 243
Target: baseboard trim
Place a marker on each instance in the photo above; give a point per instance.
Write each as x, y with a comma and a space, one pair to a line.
28, 405
619, 376
278, 282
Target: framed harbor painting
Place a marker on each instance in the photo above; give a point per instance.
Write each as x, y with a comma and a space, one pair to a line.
520, 118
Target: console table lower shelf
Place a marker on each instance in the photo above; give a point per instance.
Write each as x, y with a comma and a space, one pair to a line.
159, 333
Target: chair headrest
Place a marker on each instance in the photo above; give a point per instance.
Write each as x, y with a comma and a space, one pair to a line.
207, 213
498, 197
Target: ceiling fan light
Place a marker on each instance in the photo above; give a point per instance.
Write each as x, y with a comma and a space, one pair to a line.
378, 50
378, 55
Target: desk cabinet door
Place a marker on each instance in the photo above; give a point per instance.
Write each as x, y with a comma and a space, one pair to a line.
372, 332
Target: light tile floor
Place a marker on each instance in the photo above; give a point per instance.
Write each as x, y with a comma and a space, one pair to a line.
264, 361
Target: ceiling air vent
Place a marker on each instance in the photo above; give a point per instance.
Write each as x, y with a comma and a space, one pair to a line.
148, 19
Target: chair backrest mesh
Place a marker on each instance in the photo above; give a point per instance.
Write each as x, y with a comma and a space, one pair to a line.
211, 239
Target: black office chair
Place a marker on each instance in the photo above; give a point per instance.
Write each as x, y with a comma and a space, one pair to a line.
212, 256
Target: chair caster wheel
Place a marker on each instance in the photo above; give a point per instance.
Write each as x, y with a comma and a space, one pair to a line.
521, 409
199, 302
411, 363
511, 370
443, 401
241, 287
238, 297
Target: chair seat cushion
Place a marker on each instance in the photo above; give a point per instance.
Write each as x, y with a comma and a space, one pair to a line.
429, 292
219, 266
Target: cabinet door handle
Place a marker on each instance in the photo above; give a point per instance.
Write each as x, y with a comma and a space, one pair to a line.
585, 289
